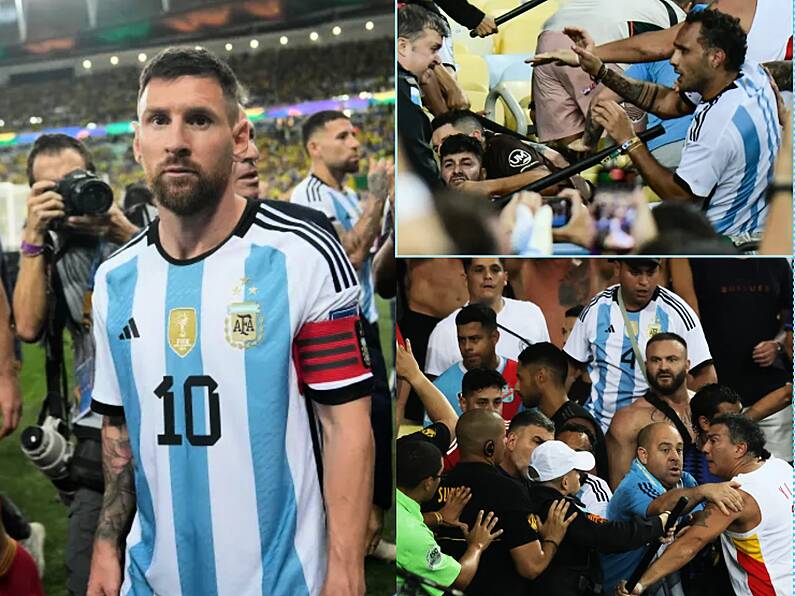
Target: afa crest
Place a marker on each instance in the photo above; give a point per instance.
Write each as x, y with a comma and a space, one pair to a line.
182, 330
654, 329
244, 326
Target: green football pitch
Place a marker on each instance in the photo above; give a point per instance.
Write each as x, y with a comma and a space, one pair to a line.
32, 492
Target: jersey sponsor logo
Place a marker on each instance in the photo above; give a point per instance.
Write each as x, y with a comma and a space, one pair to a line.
433, 558
519, 158
346, 311
597, 519
182, 330
534, 522
244, 326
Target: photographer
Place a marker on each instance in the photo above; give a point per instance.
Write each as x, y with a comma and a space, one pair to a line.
61, 248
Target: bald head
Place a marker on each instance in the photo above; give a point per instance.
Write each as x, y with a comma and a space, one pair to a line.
478, 428
657, 432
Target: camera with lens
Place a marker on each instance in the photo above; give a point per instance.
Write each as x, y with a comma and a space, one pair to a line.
83, 193
49, 450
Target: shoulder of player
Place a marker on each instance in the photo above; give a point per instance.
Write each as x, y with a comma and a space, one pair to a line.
628, 421
523, 307
677, 305
310, 190
310, 239
128, 251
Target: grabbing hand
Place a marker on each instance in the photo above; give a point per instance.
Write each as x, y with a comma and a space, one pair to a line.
555, 526
765, 352
482, 532
561, 57
621, 589
724, 495
455, 504
486, 27
580, 37
612, 117
589, 62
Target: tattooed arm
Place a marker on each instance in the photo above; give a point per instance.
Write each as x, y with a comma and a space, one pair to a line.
118, 507
649, 97
359, 239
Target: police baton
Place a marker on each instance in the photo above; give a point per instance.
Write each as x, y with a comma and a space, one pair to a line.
651, 550
577, 167
514, 12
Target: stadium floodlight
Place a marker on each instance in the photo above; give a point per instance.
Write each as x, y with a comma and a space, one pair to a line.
91, 125
2, 123
369, 25
228, 47
114, 60
199, 47
314, 36
87, 64
283, 40
141, 57
336, 30
253, 44
347, 112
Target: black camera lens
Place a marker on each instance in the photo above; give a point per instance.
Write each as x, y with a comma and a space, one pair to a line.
31, 438
93, 197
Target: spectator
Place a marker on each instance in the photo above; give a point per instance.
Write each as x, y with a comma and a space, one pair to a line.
18, 573
461, 158
527, 430
595, 492
522, 322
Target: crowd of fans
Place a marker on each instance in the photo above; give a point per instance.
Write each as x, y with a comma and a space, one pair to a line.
608, 388
269, 77
603, 71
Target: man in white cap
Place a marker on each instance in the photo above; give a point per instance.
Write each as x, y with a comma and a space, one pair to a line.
576, 570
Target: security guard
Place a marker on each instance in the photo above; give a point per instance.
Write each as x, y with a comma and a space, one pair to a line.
522, 552
575, 570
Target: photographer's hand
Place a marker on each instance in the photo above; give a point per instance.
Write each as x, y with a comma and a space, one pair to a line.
113, 225
44, 205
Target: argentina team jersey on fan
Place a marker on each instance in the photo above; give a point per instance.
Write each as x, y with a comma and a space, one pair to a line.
599, 338
216, 363
730, 150
341, 207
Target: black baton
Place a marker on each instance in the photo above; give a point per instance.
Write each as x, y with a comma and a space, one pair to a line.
576, 168
651, 550
514, 12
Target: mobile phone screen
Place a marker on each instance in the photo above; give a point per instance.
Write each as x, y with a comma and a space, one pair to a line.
615, 213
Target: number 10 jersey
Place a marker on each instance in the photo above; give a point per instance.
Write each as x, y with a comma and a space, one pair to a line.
215, 362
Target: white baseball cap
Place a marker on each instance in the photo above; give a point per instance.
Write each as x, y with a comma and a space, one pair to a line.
553, 459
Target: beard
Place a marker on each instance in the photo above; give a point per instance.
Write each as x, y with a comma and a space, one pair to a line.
677, 380
189, 195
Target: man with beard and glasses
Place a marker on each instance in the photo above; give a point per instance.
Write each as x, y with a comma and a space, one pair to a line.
667, 366
244, 372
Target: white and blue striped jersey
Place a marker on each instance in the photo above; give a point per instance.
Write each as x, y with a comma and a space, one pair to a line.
730, 150
341, 207
599, 338
204, 359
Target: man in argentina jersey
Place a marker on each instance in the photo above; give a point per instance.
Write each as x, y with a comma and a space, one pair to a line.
734, 137
600, 340
228, 346
757, 539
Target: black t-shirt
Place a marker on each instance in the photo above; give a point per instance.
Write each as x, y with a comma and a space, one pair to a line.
506, 155
491, 491
740, 301
571, 410
575, 568
436, 434
417, 328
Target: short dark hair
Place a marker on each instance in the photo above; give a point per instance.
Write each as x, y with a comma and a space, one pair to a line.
414, 19
548, 355
468, 262
464, 120
576, 427
667, 336
50, 144
707, 399
574, 311
744, 430
720, 31
461, 143
531, 418
415, 461
481, 378
175, 62
317, 121
477, 313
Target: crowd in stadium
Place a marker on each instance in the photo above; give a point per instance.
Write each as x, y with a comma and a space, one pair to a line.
553, 412
334, 178
269, 77
580, 84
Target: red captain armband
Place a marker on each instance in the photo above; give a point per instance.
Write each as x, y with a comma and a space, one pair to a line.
332, 351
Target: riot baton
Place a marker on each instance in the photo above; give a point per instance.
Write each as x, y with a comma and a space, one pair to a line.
576, 168
651, 550
514, 12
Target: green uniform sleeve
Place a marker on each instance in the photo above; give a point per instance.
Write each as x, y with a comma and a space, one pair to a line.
418, 553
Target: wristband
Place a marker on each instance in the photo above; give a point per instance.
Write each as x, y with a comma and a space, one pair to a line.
600, 74
557, 546
439, 518
629, 145
31, 250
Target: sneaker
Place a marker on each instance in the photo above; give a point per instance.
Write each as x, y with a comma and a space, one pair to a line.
385, 551
34, 544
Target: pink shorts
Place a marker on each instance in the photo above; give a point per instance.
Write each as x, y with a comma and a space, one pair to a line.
560, 104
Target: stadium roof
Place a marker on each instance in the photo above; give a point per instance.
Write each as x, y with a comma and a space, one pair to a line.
35, 30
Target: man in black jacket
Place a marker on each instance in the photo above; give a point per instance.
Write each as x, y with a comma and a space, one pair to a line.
419, 39
575, 570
